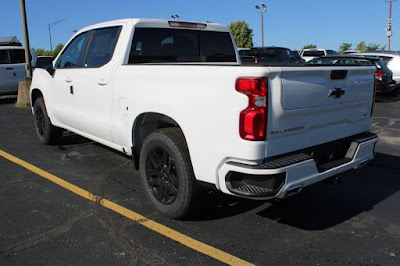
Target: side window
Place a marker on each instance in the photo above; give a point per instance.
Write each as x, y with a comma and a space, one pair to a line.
102, 46
17, 56
72, 57
291, 54
283, 54
4, 59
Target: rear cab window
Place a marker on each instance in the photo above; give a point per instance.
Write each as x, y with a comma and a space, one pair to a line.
164, 45
313, 53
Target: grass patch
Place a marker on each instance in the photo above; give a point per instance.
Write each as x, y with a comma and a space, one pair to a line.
18, 105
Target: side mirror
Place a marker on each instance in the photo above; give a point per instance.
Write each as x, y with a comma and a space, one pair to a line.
51, 70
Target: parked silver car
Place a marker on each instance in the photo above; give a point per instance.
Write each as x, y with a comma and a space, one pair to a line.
392, 61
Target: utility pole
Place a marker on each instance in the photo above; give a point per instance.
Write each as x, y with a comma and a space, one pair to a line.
389, 26
28, 65
50, 26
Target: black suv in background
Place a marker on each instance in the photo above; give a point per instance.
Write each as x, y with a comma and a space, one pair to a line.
383, 75
270, 56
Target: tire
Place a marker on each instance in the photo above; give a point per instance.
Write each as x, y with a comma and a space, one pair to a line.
46, 132
166, 173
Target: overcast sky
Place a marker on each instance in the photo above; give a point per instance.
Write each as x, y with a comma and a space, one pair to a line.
288, 23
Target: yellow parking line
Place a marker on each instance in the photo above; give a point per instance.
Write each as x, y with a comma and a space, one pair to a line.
152, 225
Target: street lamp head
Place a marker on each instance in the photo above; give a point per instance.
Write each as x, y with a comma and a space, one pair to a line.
257, 7
264, 6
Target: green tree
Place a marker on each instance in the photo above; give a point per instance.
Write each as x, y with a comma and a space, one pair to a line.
344, 47
310, 46
40, 52
54, 53
370, 47
57, 49
361, 46
242, 34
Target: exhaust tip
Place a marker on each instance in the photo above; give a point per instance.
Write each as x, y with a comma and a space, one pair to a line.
293, 190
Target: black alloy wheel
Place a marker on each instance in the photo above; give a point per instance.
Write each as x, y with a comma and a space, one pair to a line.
167, 174
162, 176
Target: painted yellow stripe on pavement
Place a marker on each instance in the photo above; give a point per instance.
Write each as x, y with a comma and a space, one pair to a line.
152, 225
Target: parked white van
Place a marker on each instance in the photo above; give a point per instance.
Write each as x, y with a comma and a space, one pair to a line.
12, 64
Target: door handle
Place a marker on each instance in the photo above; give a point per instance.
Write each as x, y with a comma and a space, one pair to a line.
69, 80
102, 81
9, 68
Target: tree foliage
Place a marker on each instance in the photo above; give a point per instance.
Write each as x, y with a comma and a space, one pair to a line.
363, 47
310, 46
344, 47
242, 34
54, 53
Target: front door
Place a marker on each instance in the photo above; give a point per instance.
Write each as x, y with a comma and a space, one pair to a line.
92, 86
62, 91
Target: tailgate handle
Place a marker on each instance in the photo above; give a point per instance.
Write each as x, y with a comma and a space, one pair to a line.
338, 74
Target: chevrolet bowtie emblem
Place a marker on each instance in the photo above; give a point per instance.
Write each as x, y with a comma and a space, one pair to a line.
336, 93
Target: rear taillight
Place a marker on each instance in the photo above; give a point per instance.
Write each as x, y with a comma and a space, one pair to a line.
378, 75
253, 119
255, 60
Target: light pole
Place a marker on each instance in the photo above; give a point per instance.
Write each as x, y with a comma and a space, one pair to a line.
389, 26
50, 26
262, 11
175, 16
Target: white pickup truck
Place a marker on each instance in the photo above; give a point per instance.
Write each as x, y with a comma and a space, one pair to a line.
175, 96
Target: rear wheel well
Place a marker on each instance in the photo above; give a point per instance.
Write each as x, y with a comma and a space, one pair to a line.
144, 125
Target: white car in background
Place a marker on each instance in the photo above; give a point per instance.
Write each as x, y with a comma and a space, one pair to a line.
308, 54
392, 61
12, 64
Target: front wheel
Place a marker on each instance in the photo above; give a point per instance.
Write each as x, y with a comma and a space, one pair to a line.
47, 133
166, 172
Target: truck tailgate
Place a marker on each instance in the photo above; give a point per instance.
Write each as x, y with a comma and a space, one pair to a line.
323, 87
309, 106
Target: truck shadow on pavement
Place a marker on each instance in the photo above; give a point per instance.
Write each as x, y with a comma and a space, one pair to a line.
322, 206
384, 98
215, 205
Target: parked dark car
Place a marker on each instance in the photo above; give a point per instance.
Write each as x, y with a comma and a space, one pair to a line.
383, 75
270, 56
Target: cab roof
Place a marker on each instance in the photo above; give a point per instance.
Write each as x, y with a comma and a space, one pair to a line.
161, 23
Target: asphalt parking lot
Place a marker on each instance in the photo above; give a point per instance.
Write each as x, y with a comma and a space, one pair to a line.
356, 222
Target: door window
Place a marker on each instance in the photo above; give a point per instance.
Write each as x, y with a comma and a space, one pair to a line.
4, 59
73, 55
102, 46
17, 56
